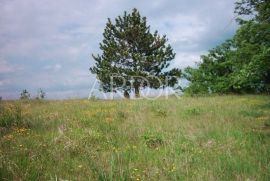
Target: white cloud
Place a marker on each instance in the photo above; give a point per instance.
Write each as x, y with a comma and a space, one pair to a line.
183, 60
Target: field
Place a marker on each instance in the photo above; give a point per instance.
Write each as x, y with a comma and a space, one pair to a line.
191, 138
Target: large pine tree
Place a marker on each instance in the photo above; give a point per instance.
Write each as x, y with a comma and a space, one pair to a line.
132, 57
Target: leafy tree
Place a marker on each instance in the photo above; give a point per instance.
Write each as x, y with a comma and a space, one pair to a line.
131, 54
213, 73
253, 46
25, 95
252, 57
240, 65
257, 10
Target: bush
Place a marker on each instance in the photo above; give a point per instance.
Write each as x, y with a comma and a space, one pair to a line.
153, 140
25, 95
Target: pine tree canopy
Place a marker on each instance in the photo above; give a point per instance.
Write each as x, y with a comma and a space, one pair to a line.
132, 57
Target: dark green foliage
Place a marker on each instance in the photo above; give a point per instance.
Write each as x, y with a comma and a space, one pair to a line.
239, 65
133, 57
213, 72
25, 95
258, 10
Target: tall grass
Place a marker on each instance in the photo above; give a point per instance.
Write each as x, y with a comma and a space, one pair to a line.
199, 138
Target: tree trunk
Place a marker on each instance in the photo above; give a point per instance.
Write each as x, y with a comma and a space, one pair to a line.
126, 94
137, 91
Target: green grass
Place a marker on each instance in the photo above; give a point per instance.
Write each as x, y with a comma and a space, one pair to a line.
193, 138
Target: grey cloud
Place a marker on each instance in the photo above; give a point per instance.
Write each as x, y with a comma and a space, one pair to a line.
48, 43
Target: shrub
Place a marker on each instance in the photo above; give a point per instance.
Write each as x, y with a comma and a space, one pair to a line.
25, 95
153, 140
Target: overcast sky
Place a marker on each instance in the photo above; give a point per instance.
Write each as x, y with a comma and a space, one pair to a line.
48, 43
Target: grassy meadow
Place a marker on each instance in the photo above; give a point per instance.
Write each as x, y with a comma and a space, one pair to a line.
191, 138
